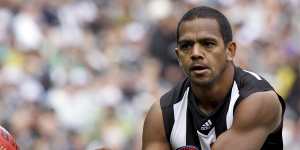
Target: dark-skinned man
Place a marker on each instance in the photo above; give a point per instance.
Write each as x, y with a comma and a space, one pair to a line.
219, 106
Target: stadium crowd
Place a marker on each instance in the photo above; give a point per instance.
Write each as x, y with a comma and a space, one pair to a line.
80, 74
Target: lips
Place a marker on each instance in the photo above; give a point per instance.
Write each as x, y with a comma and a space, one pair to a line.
198, 67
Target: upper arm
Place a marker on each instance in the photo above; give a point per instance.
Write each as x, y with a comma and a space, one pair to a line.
255, 118
153, 131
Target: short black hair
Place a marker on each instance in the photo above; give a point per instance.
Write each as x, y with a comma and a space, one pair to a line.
208, 12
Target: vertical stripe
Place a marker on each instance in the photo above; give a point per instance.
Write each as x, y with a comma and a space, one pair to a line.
207, 140
178, 134
233, 100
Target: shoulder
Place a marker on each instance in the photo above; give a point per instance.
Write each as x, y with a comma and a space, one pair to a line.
154, 115
256, 118
153, 129
249, 82
174, 95
260, 109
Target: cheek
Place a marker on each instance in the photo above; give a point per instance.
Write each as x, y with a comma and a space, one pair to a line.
184, 64
217, 60
183, 60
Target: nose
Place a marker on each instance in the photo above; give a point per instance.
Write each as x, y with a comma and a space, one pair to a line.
197, 52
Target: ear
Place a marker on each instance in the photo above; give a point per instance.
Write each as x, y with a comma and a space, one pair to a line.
178, 57
230, 51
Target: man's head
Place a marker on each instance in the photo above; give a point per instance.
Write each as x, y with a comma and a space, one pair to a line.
204, 44
207, 12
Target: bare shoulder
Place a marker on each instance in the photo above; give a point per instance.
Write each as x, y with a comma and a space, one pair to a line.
153, 131
255, 118
261, 109
154, 116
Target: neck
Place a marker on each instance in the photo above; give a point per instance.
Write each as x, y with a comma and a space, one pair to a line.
213, 95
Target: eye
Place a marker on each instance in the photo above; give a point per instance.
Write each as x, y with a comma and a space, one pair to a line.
208, 44
186, 45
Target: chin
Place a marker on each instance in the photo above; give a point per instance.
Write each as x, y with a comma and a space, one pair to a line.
202, 82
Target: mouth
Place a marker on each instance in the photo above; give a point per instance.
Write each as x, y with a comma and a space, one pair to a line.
199, 69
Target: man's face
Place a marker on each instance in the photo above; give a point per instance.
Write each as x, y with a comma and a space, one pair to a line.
201, 51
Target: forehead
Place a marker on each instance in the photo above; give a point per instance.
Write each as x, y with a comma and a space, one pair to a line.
199, 28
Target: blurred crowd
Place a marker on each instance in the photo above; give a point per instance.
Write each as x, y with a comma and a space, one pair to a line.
80, 74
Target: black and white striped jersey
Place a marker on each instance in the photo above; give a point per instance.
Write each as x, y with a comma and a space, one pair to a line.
186, 127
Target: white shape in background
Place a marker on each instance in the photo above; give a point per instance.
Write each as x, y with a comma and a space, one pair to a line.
27, 32
159, 9
31, 90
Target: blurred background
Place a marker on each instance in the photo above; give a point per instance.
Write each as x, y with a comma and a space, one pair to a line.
80, 74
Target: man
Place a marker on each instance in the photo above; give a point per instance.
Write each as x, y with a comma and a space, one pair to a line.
218, 106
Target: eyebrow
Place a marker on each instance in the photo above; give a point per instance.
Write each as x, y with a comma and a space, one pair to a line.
182, 40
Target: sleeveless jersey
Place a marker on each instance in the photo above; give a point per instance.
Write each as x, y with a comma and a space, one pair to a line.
186, 127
